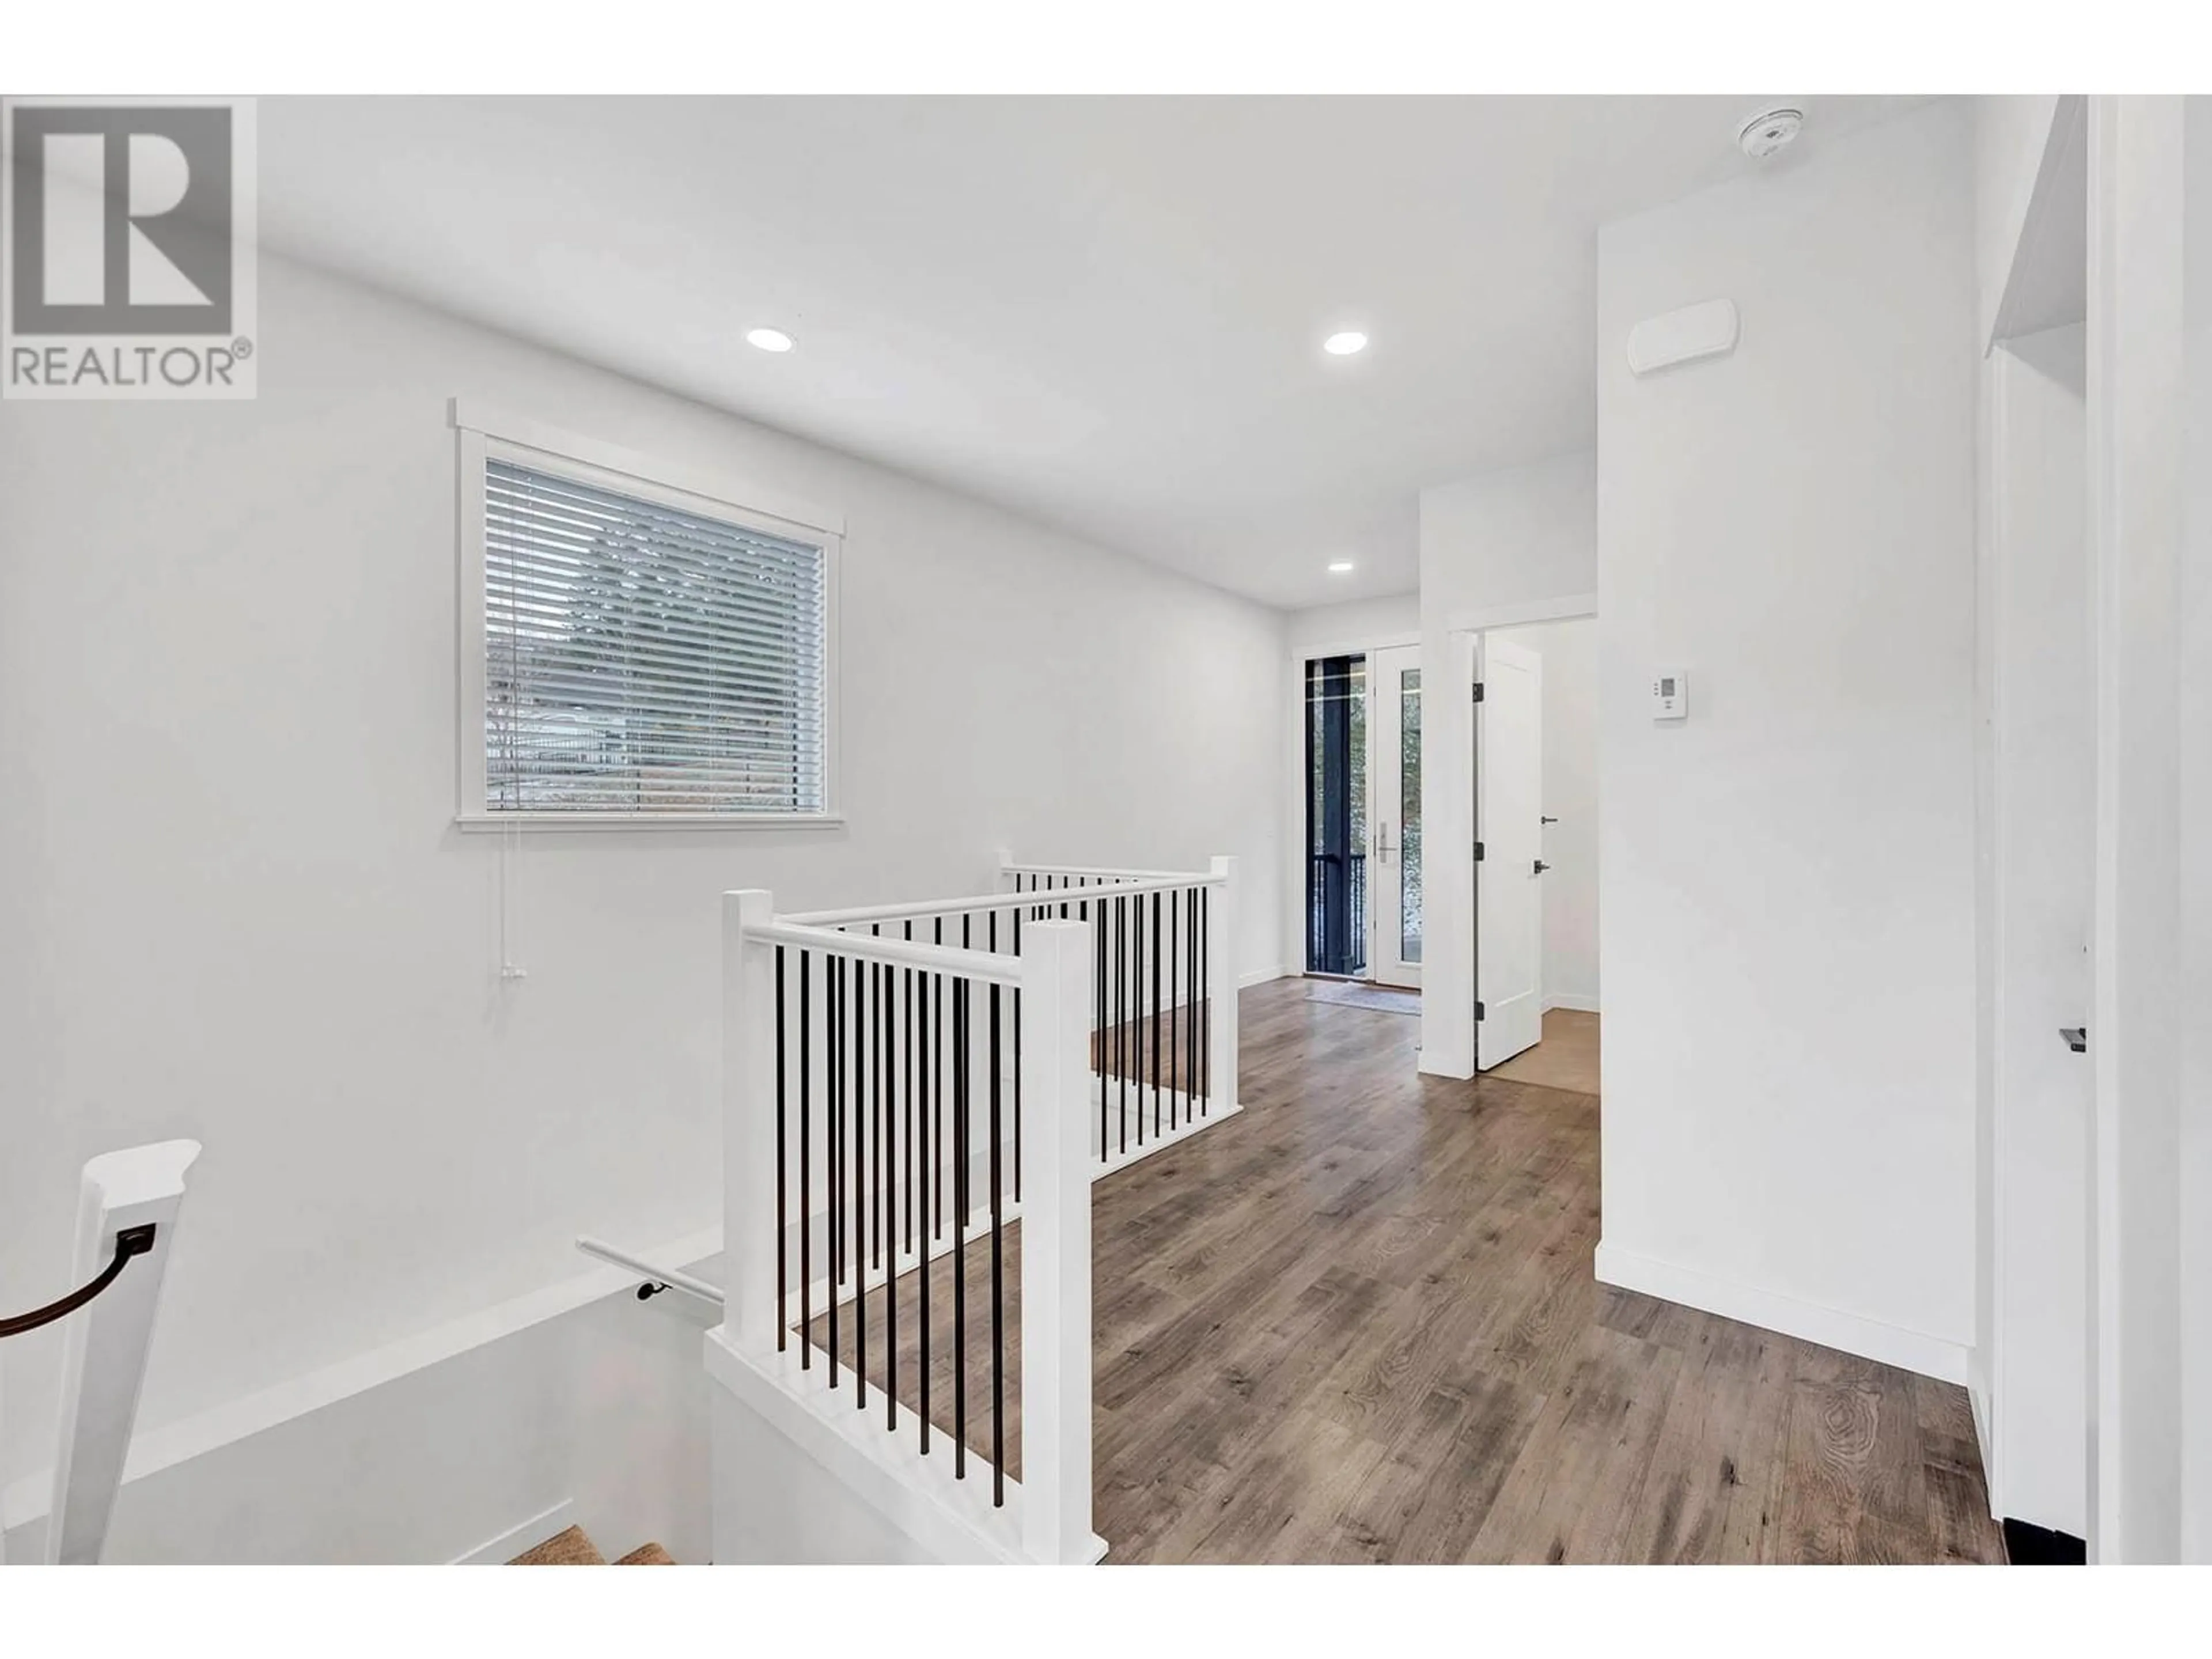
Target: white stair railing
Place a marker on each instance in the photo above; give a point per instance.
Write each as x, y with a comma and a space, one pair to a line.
870, 1083
127, 1211
909, 1082
1055, 998
1165, 986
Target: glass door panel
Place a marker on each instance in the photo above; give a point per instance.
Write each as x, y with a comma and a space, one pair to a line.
1337, 814
1395, 869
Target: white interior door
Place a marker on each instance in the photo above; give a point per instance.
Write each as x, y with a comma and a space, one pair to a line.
1508, 892
1394, 811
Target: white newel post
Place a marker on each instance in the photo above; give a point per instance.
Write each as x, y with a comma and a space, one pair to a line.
1222, 955
748, 1107
1057, 1155
105, 1341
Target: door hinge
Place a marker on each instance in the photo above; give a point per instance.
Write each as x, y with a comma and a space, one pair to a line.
1478, 1011
1478, 690
1478, 851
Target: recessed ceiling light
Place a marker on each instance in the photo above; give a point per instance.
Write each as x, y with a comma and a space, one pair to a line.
1339, 567
1344, 345
768, 339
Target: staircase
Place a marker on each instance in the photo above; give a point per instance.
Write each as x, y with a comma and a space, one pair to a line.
574, 1548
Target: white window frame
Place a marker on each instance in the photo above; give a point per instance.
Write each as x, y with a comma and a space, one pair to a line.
485, 434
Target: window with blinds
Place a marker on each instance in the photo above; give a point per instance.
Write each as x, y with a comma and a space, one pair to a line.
643, 659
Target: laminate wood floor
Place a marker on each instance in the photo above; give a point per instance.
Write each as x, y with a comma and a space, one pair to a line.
1358, 1322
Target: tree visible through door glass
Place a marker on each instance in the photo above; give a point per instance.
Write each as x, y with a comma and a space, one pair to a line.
1409, 814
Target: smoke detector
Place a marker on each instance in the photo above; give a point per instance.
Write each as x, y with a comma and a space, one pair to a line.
1769, 131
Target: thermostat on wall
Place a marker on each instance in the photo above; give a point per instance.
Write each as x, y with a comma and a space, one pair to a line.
1670, 695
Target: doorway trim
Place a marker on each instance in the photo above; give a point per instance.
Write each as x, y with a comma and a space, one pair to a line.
1566, 608
1448, 658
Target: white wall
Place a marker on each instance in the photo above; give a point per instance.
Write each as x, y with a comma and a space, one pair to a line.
1788, 927
2010, 133
2194, 746
1357, 625
1498, 549
1523, 535
237, 910
2044, 737
1571, 846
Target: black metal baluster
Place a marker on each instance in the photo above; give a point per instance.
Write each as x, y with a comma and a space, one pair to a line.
782, 1171
878, 1113
1017, 1066
859, 1161
937, 1100
910, 1102
922, 1120
805, 1164
1175, 1000
879, 1200
1137, 1001
1098, 1040
1122, 1013
960, 1228
1156, 1016
888, 1193
833, 1135
1137, 1006
991, 945
997, 1283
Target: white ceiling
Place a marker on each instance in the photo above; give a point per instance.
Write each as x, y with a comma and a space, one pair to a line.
1105, 313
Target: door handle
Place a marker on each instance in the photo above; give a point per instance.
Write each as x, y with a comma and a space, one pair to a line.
2076, 1037
1540, 867
1382, 845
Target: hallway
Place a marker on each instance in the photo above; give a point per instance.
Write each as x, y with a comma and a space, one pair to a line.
1358, 1323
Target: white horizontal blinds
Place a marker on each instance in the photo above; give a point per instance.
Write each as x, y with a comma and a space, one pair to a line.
641, 658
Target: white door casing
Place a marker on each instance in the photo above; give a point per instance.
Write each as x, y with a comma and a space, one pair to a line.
1509, 904
1393, 695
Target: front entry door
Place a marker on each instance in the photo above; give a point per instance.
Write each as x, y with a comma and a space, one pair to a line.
1508, 889
1394, 682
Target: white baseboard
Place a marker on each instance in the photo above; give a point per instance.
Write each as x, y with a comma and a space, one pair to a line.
527, 1535
1261, 976
1810, 1321
1573, 1003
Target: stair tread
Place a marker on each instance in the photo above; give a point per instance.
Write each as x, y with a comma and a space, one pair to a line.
571, 1548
